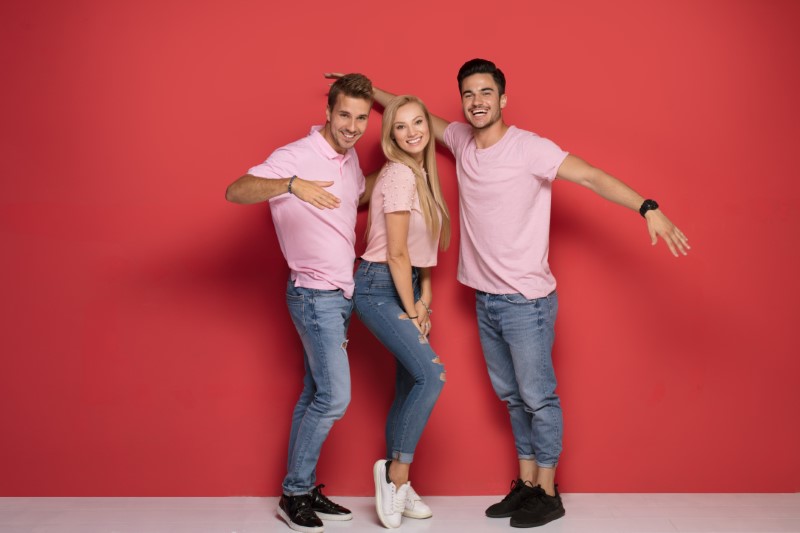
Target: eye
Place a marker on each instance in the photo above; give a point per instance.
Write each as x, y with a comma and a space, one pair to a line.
418, 122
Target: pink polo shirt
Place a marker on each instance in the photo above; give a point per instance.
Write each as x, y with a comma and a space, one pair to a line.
504, 198
396, 190
318, 244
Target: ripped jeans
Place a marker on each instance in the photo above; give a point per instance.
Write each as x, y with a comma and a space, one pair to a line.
419, 376
321, 318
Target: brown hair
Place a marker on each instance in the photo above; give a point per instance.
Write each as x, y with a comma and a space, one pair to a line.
352, 85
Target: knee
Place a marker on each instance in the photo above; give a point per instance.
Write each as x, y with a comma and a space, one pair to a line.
334, 404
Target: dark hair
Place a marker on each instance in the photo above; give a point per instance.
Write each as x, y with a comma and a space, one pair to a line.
352, 85
482, 66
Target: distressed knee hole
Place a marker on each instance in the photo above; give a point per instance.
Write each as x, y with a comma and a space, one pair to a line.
344, 344
442, 377
436, 360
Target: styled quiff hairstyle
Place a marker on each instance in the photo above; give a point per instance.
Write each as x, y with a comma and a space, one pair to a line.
429, 192
352, 85
482, 66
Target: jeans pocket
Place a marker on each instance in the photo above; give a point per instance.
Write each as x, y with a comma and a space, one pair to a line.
296, 305
516, 299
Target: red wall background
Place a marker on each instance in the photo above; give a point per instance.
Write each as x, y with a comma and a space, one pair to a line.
145, 344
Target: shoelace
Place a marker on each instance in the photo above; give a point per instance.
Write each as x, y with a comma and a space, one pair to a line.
303, 508
515, 488
399, 500
322, 498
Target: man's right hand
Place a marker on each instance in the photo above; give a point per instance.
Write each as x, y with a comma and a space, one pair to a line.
315, 194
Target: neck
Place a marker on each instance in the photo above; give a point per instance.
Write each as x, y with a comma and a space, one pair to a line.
486, 137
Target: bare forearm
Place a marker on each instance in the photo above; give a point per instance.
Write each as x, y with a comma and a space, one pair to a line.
400, 268
425, 286
612, 189
251, 189
381, 96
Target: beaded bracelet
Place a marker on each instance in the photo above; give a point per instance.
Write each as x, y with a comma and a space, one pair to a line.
290, 183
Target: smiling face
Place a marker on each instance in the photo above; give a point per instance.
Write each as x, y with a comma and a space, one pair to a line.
410, 130
481, 101
346, 122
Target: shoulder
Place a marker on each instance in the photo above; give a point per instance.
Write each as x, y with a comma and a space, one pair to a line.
457, 134
397, 171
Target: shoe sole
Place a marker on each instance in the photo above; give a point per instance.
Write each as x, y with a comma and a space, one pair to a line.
334, 517
543, 521
376, 476
298, 527
502, 515
417, 516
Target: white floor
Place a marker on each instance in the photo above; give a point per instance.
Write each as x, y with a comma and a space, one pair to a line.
586, 513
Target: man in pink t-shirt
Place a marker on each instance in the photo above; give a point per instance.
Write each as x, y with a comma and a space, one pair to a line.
505, 178
314, 186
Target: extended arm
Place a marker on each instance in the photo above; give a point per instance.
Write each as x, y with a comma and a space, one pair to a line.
578, 171
438, 124
251, 189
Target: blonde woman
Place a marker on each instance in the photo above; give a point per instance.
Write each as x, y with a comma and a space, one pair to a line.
408, 221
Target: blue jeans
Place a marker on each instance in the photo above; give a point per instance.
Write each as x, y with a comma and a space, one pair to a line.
419, 376
517, 339
321, 318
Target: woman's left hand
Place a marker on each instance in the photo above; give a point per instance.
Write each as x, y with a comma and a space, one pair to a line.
423, 318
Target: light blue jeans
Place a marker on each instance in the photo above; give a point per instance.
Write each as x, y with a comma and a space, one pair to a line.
321, 318
419, 376
517, 339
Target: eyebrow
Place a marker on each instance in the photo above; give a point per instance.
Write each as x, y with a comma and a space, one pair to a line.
412, 120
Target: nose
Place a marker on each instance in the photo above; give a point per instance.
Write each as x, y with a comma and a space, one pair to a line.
351, 124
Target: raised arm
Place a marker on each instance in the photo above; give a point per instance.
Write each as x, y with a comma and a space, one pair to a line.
251, 189
383, 97
578, 171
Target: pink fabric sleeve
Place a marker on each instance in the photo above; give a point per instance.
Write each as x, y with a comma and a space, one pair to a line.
399, 188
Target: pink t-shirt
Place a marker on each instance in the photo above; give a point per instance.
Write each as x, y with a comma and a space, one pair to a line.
504, 198
396, 190
318, 244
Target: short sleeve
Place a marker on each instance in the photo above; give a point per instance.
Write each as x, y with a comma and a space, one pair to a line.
399, 188
544, 157
280, 164
456, 136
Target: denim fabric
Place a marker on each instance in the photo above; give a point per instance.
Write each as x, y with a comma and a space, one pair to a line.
517, 339
419, 375
321, 318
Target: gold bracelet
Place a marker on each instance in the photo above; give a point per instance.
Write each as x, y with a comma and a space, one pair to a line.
428, 309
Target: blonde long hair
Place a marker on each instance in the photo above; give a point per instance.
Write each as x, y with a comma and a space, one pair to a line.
431, 202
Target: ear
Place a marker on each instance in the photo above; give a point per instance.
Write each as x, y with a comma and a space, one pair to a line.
327, 114
503, 102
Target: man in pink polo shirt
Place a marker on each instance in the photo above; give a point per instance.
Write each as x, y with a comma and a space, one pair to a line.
505, 177
314, 187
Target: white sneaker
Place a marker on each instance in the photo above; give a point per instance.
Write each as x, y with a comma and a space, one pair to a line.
390, 501
415, 507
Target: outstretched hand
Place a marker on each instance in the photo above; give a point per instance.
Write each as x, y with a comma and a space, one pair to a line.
315, 194
333, 75
658, 225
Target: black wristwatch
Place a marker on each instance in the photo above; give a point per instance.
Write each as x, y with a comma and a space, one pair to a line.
647, 205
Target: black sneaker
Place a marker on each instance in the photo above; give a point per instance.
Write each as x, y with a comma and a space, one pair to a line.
538, 509
326, 509
520, 491
297, 513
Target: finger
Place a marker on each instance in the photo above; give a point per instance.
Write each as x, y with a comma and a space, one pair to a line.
322, 183
671, 247
653, 236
